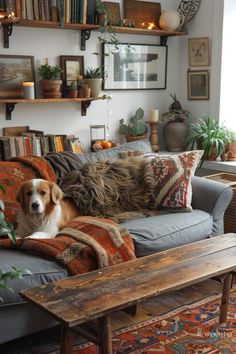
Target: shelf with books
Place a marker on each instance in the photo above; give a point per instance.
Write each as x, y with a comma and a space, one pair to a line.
85, 102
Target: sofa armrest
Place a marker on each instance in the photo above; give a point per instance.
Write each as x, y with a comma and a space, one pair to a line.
212, 197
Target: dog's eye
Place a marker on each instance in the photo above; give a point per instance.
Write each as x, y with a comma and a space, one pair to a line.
29, 193
42, 192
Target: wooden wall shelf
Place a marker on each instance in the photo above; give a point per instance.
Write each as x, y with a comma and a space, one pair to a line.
85, 102
87, 28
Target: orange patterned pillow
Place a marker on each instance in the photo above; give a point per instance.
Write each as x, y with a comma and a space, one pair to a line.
170, 180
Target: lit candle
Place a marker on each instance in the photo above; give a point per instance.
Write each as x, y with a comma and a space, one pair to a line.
28, 90
154, 115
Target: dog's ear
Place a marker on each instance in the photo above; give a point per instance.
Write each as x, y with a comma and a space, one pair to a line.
20, 196
56, 193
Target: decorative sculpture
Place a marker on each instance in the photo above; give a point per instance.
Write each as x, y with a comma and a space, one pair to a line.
188, 9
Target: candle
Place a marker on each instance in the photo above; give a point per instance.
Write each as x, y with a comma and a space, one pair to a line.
28, 90
154, 114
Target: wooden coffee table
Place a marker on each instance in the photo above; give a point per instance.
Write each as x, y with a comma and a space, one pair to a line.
94, 296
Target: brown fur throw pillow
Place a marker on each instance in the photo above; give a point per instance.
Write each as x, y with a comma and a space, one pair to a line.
109, 189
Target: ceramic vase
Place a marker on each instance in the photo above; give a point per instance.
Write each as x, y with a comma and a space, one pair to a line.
170, 20
174, 134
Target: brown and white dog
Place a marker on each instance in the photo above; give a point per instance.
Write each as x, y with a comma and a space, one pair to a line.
43, 210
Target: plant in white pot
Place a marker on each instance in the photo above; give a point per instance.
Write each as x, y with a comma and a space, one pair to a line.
175, 130
94, 78
50, 80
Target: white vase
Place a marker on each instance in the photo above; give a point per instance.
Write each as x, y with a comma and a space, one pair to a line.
95, 85
170, 20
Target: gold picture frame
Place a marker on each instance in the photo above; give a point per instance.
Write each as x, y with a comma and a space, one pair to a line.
198, 51
198, 85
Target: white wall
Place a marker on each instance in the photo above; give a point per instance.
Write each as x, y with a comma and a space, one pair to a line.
66, 118
207, 23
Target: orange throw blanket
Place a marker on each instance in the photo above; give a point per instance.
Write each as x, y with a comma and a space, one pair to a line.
86, 244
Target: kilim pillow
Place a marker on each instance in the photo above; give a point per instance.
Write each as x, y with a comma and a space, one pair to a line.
170, 180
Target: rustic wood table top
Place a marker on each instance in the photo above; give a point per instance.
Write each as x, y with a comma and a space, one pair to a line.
79, 299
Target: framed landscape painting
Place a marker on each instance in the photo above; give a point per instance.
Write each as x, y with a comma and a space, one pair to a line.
134, 67
15, 69
72, 68
198, 85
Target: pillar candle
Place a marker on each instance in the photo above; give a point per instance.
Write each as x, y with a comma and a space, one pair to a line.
154, 115
28, 90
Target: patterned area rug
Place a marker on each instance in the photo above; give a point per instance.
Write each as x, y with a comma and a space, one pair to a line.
189, 329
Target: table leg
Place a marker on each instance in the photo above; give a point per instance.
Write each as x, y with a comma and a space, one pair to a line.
104, 335
225, 298
67, 340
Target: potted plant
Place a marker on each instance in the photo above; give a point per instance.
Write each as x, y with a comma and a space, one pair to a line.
136, 129
230, 147
175, 129
94, 78
101, 13
209, 135
74, 89
6, 229
50, 82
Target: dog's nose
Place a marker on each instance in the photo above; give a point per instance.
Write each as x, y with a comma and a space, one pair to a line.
35, 205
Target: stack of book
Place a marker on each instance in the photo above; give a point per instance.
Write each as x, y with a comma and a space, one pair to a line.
64, 11
37, 143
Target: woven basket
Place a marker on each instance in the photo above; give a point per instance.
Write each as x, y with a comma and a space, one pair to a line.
230, 213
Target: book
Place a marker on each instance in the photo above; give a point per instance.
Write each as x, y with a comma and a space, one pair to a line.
46, 10
29, 10
5, 148
84, 11
23, 9
36, 10
53, 10
67, 11
91, 11
18, 8
12, 146
41, 10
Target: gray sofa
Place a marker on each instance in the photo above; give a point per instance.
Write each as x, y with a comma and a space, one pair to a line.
151, 234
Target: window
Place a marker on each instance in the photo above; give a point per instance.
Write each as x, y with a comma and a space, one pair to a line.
228, 68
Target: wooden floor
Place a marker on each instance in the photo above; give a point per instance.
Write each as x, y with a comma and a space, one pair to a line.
161, 305
167, 302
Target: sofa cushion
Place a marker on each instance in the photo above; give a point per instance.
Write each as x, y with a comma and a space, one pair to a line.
169, 180
157, 233
43, 271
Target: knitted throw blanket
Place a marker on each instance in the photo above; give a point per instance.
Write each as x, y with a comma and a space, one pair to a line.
86, 244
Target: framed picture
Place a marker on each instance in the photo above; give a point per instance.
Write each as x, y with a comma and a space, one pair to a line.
198, 85
15, 69
134, 67
72, 68
198, 51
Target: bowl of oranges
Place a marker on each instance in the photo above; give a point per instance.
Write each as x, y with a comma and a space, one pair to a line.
103, 144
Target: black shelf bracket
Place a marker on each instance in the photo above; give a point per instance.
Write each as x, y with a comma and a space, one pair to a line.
164, 40
85, 35
7, 31
84, 106
9, 108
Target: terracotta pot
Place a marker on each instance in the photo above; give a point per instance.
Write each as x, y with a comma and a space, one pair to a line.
230, 152
86, 92
73, 93
130, 138
174, 134
51, 88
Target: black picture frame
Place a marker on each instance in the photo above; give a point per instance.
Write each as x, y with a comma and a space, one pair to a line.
134, 67
15, 69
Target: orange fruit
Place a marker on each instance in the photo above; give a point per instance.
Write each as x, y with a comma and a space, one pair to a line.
106, 144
